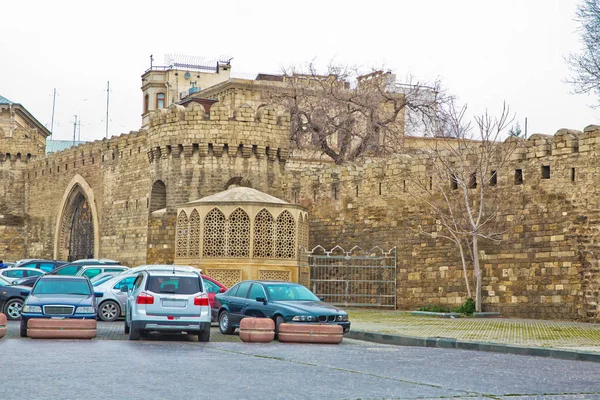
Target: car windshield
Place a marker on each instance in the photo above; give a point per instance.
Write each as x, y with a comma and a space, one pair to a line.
290, 293
174, 284
62, 286
101, 280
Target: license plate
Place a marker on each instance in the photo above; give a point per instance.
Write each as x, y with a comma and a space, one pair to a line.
57, 317
174, 303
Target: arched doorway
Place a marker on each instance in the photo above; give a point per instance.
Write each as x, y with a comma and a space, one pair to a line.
77, 233
81, 232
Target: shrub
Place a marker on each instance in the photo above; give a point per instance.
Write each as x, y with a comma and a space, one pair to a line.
468, 307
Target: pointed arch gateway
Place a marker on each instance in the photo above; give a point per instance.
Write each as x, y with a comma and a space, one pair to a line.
77, 233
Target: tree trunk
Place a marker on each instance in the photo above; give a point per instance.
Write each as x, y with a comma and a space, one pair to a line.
464, 265
477, 270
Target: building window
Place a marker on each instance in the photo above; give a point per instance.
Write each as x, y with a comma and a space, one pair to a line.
518, 176
454, 182
545, 172
160, 100
473, 181
572, 174
146, 103
494, 179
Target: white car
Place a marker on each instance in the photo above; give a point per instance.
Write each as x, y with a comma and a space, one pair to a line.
89, 271
174, 300
161, 267
11, 274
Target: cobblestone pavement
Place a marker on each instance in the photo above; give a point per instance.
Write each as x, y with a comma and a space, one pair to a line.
539, 333
120, 369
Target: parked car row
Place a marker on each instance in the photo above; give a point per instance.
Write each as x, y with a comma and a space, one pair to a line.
161, 298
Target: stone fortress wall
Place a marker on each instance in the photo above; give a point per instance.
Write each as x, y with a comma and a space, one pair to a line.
546, 267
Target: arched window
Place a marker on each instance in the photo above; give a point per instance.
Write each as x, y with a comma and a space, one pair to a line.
181, 241
285, 236
214, 234
158, 196
264, 229
160, 100
238, 241
146, 103
194, 242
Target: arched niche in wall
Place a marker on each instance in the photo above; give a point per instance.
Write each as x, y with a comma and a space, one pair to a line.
158, 196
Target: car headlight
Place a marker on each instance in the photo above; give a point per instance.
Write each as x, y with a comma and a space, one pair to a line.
304, 318
85, 310
31, 309
342, 318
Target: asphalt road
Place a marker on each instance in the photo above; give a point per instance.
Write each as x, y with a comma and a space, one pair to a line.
174, 369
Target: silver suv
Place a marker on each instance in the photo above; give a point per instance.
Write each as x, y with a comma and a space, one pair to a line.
172, 300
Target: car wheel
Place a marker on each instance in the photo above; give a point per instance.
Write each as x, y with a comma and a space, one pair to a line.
109, 311
134, 334
225, 323
204, 336
12, 309
278, 321
23, 330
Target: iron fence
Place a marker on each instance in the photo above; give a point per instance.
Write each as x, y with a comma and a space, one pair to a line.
360, 278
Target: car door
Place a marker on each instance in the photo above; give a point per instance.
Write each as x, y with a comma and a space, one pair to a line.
120, 295
255, 308
237, 303
212, 289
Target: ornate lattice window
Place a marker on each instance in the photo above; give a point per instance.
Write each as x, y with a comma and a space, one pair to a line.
238, 243
227, 277
285, 236
285, 276
181, 242
264, 229
194, 241
214, 234
303, 235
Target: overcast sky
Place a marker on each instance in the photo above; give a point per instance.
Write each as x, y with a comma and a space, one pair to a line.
484, 51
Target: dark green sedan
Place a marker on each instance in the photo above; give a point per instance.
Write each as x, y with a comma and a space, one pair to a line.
281, 301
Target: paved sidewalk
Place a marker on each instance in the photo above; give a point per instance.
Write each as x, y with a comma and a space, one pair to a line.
520, 332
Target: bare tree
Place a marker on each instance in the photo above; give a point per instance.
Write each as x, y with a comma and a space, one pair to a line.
459, 186
585, 65
348, 115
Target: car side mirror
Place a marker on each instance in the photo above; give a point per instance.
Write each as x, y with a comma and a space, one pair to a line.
124, 289
24, 293
98, 294
261, 300
222, 290
322, 298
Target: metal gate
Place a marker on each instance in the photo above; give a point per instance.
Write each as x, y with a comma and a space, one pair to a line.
359, 278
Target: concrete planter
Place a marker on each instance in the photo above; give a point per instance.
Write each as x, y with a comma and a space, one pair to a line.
257, 330
41, 328
311, 333
2, 325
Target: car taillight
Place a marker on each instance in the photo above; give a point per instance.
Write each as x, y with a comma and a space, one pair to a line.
201, 301
145, 298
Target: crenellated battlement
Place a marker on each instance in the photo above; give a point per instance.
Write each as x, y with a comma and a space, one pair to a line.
242, 132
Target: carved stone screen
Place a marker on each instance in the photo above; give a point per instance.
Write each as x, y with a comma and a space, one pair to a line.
238, 242
285, 244
227, 277
264, 229
214, 234
275, 276
181, 242
194, 229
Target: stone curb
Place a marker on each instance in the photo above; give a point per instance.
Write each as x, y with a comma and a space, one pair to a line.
452, 343
436, 314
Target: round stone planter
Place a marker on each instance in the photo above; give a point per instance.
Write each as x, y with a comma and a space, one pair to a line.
311, 333
257, 330
2, 325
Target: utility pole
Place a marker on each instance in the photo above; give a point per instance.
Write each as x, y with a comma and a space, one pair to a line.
74, 129
79, 130
53, 104
525, 127
107, 99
